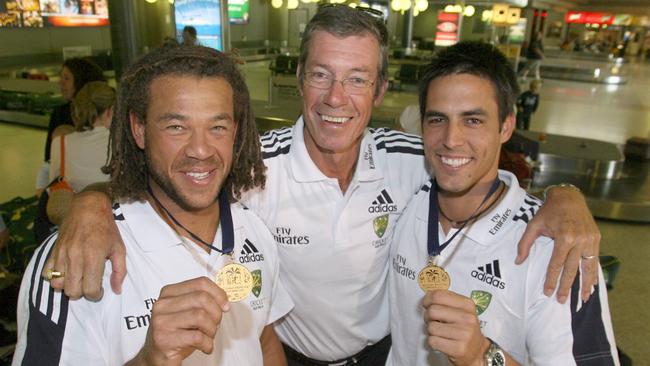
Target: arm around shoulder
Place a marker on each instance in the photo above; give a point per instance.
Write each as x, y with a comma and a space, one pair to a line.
566, 218
88, 236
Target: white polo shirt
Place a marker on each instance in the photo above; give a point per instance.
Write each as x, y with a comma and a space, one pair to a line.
532, 328
333, 246
55, 330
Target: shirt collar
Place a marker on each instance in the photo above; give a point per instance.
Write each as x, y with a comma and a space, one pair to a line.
492, 226
152, 233
305, 170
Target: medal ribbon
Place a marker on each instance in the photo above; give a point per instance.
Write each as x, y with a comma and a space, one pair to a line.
434, 247
225, 221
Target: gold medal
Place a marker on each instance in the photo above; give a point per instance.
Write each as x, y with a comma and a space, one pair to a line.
236, 280
433, 277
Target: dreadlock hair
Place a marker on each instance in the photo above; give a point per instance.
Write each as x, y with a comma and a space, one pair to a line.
479, 59
127, 163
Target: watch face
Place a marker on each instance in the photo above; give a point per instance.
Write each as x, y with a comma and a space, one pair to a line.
498, 359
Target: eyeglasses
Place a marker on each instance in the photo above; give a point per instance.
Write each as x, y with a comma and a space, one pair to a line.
352, 86
370, 11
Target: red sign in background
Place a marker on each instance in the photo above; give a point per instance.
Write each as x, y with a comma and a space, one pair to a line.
582, 17
447, 29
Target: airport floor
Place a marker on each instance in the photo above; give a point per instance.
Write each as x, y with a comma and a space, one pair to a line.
598, 111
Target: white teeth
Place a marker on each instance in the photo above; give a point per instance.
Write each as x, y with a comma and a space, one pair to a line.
198, 175
334, 119
456, 162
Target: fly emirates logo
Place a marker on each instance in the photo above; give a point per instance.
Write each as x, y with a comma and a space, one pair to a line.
284, 235
140, 321
400, 267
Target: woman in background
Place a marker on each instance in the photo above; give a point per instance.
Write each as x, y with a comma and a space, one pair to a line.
85, 150
75, 73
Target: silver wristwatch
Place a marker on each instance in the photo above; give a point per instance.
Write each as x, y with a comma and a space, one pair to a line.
494, 356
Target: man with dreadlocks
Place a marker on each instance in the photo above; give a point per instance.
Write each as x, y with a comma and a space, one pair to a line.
202, 286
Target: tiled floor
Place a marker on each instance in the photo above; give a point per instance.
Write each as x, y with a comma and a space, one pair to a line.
570, 108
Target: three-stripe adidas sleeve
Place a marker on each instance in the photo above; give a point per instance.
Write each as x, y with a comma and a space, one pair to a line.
591, 324
49, 333
574, 333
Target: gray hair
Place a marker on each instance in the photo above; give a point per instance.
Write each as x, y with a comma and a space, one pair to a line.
344, 21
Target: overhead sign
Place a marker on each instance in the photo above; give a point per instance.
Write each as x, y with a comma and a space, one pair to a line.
53, 13
238, 11
583, 17
447, 29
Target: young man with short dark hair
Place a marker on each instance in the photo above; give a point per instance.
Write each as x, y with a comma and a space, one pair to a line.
453, 249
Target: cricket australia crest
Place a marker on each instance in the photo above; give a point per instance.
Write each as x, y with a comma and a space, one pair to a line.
380, 224
257, 282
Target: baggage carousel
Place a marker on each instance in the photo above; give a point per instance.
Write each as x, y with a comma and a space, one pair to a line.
575, 67
609, 75
614, 188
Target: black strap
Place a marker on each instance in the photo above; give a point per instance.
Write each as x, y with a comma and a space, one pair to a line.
434, 248
225, 220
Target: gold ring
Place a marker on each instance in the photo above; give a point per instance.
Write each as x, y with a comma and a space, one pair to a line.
52, 273
587, 257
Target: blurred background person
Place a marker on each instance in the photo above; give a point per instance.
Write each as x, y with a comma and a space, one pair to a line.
189, 36
527, 104
85, 149
75, 73
534, 55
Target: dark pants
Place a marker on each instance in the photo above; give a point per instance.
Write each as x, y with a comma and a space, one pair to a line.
523, 121
373, 355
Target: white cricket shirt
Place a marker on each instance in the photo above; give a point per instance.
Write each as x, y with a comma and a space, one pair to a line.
513, 311
333, 246
55, 330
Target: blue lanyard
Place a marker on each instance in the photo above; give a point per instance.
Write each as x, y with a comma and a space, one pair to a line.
434, 248
225, 221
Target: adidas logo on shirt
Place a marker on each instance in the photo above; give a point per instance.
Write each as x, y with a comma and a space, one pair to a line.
383, 203
490, 274
250, 253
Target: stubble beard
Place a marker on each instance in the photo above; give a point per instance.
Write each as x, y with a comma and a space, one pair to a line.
166, 184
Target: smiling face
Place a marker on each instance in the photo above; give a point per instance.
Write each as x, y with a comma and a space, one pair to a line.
188, 139
335, 120
462, 134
